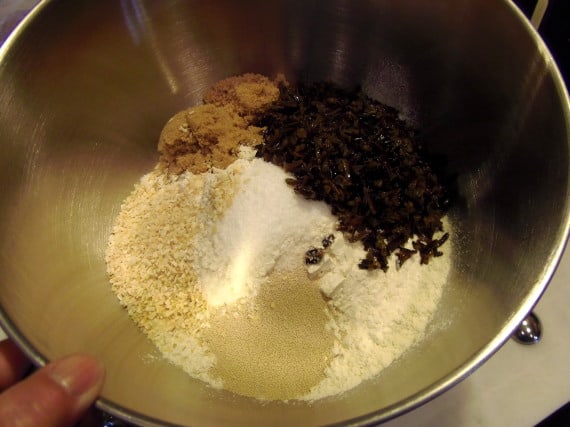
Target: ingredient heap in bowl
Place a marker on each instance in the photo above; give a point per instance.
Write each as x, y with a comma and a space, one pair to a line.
287, 243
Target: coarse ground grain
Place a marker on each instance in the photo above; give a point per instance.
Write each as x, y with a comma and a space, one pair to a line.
151, 269
281, 347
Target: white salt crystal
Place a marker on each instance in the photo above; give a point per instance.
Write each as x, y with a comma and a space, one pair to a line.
267, 226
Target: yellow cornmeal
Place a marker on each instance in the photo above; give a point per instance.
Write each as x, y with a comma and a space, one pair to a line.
280, 348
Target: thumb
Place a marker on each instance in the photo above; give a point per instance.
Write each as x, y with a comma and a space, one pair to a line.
55, 396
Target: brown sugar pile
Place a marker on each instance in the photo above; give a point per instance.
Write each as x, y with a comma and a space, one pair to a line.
210, 135
248, 93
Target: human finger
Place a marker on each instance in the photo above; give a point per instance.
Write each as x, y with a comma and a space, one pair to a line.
55, 396
13, 364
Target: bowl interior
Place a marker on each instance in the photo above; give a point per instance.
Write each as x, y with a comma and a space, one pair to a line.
87, 86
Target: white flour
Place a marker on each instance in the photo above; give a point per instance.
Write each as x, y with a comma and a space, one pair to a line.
378, 316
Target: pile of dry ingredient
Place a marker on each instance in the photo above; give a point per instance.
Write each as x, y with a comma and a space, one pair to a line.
250, 286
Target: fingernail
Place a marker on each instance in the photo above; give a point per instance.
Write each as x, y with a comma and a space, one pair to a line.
78, 375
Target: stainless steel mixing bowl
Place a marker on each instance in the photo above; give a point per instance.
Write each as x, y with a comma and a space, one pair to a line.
85, 87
